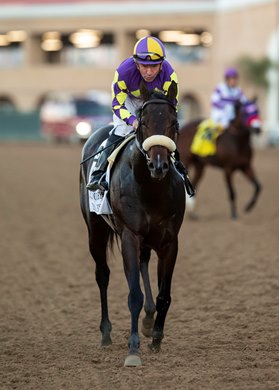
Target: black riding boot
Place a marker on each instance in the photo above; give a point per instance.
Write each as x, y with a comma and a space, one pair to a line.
98, 177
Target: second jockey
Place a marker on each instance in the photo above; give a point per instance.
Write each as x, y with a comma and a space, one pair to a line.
224, 97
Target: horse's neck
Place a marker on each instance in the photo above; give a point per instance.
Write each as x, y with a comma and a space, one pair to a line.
138, 162
237, 129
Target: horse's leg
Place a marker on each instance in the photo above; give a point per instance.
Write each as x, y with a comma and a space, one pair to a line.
231, 192
131, 259
250, 174
166, 262
98, 238
149, 305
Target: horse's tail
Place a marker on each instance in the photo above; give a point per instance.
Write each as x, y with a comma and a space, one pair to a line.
113, 237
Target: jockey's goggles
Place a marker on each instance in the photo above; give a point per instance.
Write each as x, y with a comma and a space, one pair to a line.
149, 57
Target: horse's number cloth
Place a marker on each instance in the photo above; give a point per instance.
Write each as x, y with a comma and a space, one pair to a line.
204, 142
98, 202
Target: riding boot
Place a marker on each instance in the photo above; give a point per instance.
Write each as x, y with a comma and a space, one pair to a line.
98, 176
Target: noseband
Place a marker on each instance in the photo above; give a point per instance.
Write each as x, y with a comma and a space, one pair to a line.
156, 140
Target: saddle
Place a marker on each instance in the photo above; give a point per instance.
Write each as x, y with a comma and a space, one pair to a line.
113, 155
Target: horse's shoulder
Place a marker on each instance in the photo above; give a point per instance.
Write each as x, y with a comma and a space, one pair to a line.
125, 151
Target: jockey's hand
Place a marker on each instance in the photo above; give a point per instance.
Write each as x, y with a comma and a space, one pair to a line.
135, 124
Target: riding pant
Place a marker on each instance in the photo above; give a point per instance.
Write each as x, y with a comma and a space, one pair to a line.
120, 127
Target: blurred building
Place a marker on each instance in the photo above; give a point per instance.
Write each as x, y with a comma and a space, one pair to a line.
75, 46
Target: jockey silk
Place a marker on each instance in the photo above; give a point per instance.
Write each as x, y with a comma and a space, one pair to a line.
222, 103
126, 92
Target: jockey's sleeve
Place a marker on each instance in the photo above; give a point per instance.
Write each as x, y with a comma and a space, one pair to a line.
217, 99
119, 96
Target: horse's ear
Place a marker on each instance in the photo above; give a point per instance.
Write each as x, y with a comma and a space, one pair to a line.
144, 93
172, 91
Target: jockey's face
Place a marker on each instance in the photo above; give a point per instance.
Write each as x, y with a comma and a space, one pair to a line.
149, 72
232, 81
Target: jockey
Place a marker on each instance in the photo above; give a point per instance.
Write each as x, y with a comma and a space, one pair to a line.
147, 64
224, 97
223, 100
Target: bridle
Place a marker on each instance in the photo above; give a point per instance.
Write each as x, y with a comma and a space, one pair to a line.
246, 117
155, 140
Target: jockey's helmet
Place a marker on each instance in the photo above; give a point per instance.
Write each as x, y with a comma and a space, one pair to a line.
231, 73
149, 50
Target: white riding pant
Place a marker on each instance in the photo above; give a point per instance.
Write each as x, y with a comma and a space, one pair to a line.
223, 116
120, 127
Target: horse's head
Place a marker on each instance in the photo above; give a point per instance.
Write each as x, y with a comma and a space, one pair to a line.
158, 127
249, 116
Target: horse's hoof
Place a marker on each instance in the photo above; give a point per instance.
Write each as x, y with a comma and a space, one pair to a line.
147, 327
132, 361
155, 347
147, 332
106, 341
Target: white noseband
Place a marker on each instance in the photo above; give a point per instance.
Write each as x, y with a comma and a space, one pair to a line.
159, 140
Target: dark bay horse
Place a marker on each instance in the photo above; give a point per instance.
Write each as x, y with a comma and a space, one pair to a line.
147, 197
234, 152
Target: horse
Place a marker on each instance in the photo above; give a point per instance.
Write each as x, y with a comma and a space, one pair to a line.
233, 152
147, 197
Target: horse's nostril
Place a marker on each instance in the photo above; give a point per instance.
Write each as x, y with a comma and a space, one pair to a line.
158, 169
151, 165
165, 166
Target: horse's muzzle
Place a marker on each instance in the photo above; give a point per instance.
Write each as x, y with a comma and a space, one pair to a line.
158, 167
158, 147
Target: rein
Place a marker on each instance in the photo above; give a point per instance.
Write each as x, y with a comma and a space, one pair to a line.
106, 147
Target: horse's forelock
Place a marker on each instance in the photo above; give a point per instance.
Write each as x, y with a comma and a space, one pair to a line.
158, 95
154, 95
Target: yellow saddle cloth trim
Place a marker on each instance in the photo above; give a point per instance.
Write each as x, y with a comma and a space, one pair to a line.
204, 141
113, 155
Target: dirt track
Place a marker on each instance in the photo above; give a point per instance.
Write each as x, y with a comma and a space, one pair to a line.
222, 330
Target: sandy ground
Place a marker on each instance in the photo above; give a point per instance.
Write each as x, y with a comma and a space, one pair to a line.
222, 330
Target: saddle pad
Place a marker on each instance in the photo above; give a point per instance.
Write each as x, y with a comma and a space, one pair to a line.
204, 141
98, 202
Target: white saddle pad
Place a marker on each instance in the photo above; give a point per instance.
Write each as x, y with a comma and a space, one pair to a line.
98, 202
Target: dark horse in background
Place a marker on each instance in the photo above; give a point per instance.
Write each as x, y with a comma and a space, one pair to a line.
147, 197
234, 151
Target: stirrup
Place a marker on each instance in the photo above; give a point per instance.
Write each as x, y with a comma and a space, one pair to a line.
98, 183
